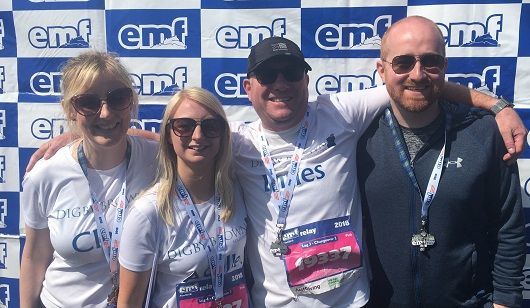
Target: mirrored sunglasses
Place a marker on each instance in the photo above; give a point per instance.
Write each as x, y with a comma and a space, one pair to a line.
210, 128
90, 104
431, 63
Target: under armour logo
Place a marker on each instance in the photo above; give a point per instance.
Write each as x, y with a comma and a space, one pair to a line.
457, 162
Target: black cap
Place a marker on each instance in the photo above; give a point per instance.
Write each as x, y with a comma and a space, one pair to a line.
272, 47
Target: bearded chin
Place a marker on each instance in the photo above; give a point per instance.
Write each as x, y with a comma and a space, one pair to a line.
416, 104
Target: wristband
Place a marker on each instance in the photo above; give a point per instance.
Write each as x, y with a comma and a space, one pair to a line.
500, 105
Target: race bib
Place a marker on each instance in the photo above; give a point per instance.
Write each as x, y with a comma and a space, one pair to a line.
200, 293
322, 255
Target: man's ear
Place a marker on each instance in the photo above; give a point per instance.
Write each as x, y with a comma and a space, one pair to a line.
381, 69
247, 85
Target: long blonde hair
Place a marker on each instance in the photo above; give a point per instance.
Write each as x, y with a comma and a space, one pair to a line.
80, 72
167, 159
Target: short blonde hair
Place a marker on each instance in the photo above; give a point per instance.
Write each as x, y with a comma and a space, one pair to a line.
81, 72
167, 159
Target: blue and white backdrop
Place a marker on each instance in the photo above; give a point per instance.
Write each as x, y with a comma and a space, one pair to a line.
168, 45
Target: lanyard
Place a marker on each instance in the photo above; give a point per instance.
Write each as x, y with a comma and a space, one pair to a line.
436, 173
215, 255
282, 201
109, 249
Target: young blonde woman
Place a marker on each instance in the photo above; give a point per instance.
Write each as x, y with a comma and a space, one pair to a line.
188, 230
74, 203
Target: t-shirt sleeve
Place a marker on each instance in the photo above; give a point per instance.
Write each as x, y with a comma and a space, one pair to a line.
32, 205
359, 108
139, 239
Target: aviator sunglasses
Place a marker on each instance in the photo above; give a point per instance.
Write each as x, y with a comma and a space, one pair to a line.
431, 63
184, 127
90, 104
291, 73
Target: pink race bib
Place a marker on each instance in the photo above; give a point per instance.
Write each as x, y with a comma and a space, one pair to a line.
200, 293
322, 255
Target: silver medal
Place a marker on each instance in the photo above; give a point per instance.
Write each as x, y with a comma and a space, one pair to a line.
423, 240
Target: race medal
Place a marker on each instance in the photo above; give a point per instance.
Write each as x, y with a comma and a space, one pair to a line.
423, 240
278, 248
112, 298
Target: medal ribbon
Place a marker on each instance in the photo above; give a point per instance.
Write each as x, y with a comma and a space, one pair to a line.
436, 173
216, 256
109, 249
282, 201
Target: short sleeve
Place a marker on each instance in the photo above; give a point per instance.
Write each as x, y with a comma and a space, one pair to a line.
360, 108
139, 240
32, 205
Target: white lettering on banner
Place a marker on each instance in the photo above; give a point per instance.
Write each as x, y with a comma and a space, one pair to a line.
44, 129
3, 255
247, 36
3, 213
5, 297
2, 34
466, 34
3, 124
61, 36
228, 85
329, 84
44, 84
155, 36
349, 36
156, 84
146, 124
490, 78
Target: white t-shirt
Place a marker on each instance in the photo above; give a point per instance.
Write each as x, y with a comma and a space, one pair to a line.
326, 188
56, 196
180, 253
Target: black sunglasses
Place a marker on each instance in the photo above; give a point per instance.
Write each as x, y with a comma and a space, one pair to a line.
431, 63
184, 127
90, 104
291, 73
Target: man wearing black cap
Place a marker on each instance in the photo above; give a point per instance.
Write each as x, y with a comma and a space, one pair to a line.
297, 166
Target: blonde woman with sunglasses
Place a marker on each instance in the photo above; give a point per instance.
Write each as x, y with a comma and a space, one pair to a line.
188, 230
73, 204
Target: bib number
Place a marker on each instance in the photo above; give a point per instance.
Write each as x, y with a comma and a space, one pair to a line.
200, 293
322, 255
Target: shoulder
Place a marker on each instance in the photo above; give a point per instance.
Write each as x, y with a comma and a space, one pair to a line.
145, 205
243, 133
61, 164
473, 119
143, 147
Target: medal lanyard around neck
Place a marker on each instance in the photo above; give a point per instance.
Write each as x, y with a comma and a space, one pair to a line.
282, 201
109, 249
436, 174
215, 256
